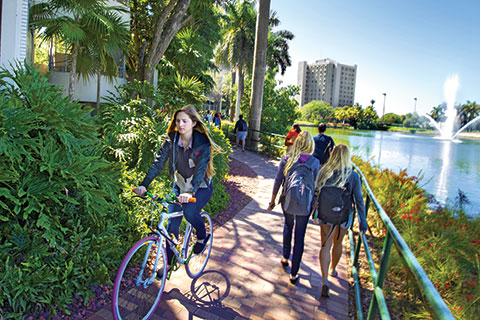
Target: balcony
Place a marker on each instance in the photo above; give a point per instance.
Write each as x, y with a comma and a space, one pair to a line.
85, 90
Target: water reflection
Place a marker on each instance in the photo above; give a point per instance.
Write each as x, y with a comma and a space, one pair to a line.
442, 187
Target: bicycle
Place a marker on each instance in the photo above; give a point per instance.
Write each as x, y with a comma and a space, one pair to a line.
137, 290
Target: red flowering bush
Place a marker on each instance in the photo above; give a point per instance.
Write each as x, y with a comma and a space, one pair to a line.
444, 240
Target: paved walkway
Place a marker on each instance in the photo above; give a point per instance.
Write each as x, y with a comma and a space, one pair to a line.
244, 278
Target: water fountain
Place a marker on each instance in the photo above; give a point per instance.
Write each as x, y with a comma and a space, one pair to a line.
447, 129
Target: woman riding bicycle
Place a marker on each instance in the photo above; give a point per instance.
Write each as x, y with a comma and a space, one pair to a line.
190, 150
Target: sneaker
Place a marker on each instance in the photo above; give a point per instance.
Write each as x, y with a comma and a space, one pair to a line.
199, 247
284, 262
293, 279
160, 273
334, 273
325, 290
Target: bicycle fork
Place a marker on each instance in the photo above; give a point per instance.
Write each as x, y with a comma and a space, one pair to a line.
147, 282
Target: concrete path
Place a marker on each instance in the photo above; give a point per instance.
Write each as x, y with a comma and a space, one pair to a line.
244, 278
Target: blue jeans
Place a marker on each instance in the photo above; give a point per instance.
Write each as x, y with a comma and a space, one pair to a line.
300, 223
191, 211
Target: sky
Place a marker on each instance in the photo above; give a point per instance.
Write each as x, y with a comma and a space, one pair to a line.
406, 49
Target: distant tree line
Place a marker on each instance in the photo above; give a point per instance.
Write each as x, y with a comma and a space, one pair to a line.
367, 118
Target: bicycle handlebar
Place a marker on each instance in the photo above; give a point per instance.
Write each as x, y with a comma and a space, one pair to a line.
172, 197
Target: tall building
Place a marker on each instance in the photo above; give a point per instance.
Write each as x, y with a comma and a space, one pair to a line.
327, 80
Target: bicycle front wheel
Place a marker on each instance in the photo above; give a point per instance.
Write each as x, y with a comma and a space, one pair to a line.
137, 291
198, 262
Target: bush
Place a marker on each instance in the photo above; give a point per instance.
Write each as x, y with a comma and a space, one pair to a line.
220, 197
133, 134
60, 217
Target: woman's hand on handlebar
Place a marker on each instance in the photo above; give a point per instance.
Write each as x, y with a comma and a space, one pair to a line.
184, 197
140, 190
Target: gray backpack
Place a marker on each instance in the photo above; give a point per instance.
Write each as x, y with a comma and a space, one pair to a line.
298, 189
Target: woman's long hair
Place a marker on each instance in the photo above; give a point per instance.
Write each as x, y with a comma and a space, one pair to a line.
339, 164
303, 144
200, 127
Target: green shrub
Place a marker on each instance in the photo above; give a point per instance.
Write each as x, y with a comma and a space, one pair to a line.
58, 197
133, 134
220, 197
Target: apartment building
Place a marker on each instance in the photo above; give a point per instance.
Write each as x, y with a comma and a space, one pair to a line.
17, 42
327, 80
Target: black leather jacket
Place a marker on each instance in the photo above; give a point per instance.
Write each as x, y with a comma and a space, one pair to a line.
200, 156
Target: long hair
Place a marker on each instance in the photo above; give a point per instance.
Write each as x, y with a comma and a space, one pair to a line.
200, 127
297, 127
303, 144
339, 164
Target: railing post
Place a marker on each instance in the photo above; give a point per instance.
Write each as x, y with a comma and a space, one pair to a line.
382, 270
354, 261
367, 205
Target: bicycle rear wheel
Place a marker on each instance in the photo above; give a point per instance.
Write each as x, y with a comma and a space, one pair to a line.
136, 291
198, 262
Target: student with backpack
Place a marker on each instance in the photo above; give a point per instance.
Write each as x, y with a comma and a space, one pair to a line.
241, 129
338, 187
323, 144
296, 172
291, 136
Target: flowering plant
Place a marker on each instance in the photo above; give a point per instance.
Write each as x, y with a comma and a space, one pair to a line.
443, 238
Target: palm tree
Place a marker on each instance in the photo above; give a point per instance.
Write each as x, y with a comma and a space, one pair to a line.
468, 112
260, 65
372, 102
278, 46
438, 112
102, 53
237, 46
92, 30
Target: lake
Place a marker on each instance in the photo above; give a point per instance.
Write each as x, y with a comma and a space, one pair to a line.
447, 166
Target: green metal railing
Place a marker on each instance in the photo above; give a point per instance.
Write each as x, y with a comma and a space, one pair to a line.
270, 144
378, 303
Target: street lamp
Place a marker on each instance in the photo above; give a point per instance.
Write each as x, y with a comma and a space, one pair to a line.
384, 97
415, 106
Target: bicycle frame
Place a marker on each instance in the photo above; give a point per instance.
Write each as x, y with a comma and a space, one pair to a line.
160, 233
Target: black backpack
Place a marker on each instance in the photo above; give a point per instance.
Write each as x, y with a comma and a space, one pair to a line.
335, 204
298, 189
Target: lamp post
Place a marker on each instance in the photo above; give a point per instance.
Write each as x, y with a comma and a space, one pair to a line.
384, 98
415, 106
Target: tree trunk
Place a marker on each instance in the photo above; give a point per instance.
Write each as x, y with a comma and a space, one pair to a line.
73, 71
230, 97
51, 53
168, 24
259, 67
240, 88
97, 104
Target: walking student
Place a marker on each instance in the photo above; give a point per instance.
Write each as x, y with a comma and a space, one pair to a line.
296, 172
190, 151
323, 144
217, 120
338, 188
291, 136
240, 129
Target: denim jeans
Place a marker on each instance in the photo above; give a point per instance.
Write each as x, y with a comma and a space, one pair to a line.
300, 223
191, 211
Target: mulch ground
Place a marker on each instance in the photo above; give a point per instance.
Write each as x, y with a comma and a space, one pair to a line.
240, 185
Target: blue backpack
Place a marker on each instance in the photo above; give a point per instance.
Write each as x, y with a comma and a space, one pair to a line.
298, 189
